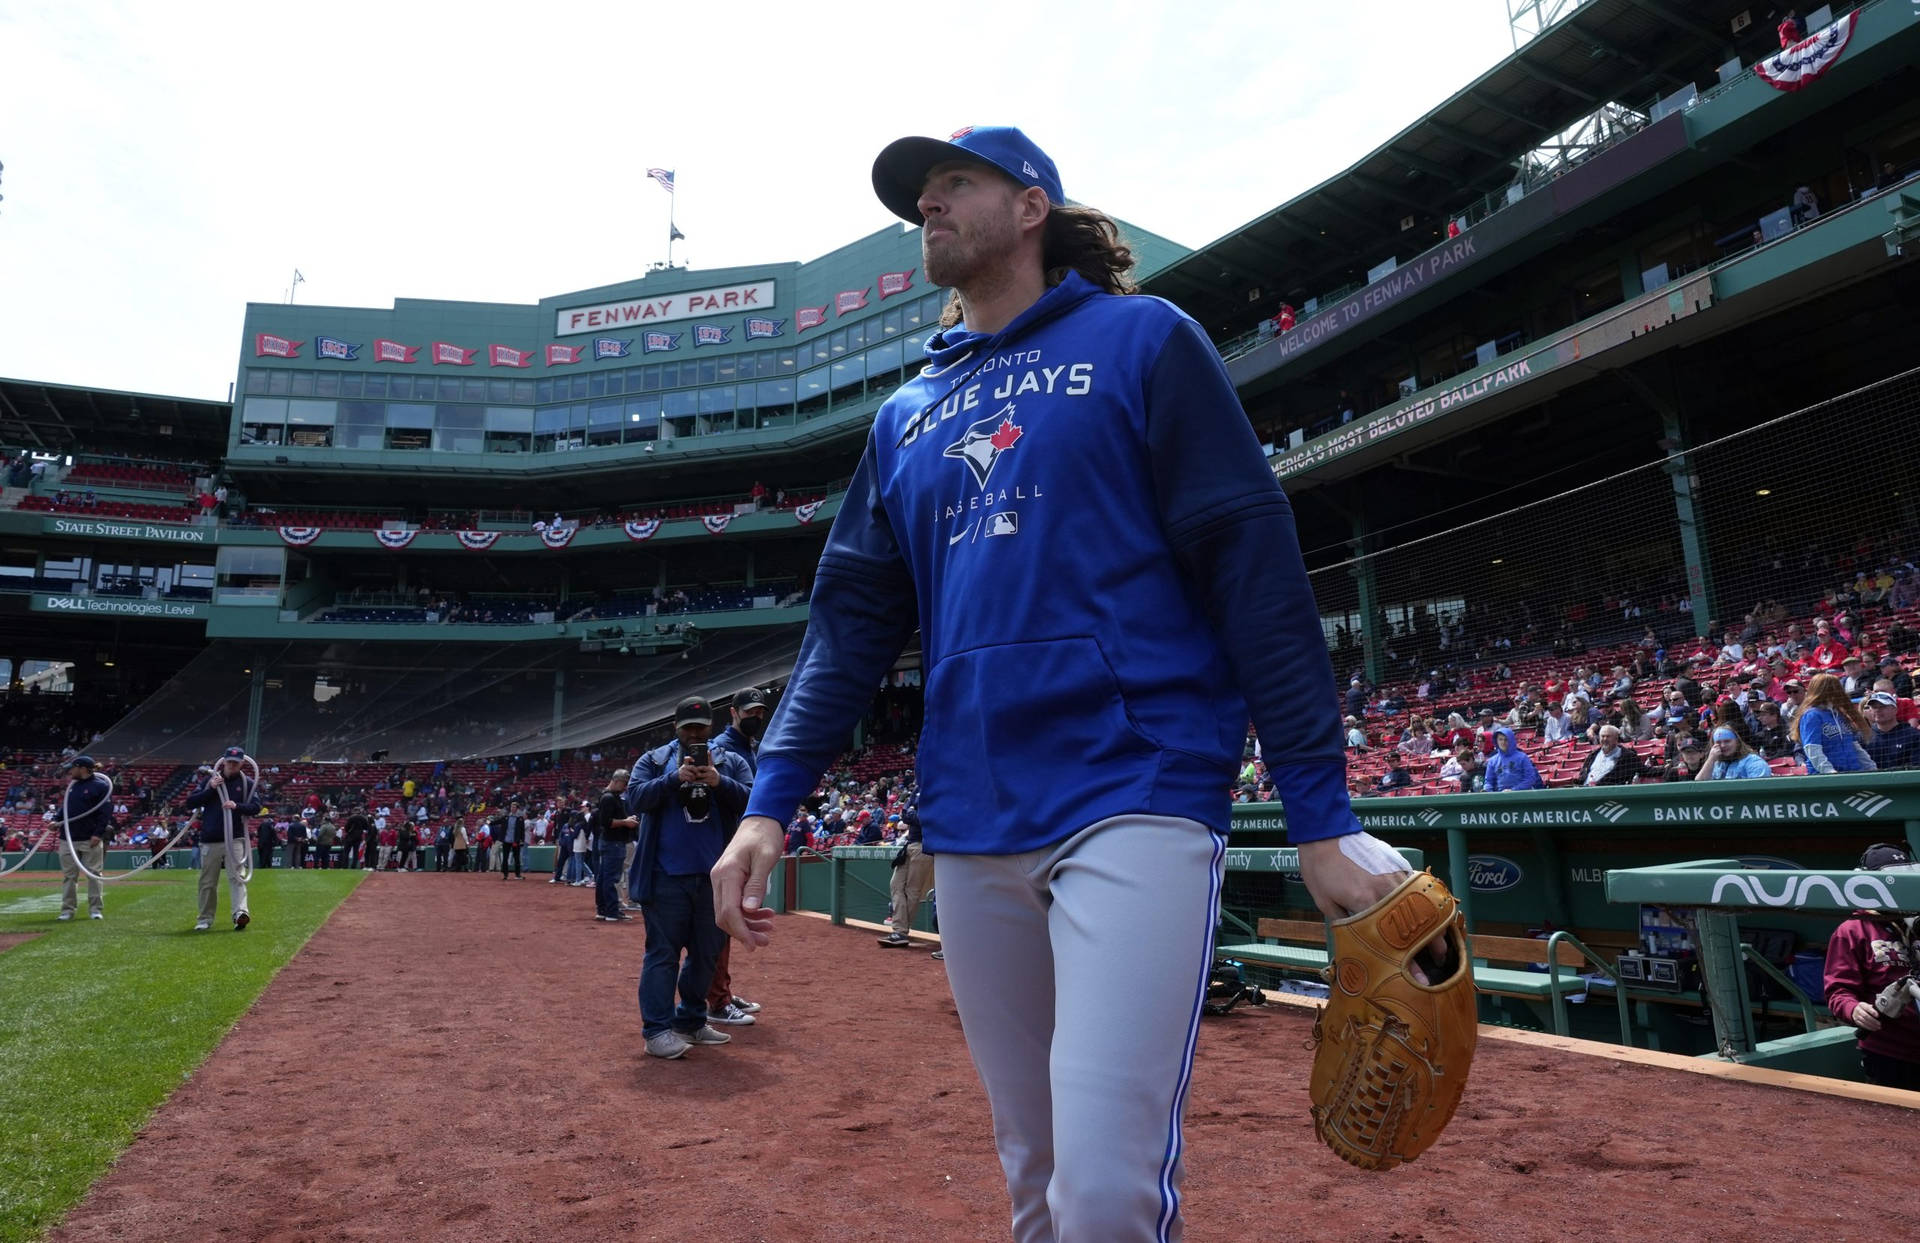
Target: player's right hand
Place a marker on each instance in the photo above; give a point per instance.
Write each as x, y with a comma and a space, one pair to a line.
1866, 1018
740, 881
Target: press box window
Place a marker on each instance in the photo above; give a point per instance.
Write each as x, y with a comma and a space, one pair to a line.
263, 420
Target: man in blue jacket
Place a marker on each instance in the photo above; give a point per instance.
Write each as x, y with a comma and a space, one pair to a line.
225, 801
1071, 506
1508, 768
88, 807
687, 810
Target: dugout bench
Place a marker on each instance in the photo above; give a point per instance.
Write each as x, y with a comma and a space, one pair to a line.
1299, 947
1716, 891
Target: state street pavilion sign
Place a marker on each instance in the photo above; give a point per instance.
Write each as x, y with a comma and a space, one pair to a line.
167, 533
638, 312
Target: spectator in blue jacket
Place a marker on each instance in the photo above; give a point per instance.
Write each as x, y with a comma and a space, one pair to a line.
1830, 729
1508, 768
687, 811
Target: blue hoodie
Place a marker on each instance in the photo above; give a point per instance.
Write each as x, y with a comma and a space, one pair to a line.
1107, 582
1510, 769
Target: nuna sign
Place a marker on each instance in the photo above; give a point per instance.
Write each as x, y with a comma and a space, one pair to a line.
720, 300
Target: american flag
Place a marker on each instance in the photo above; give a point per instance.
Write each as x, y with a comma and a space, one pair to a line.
664, 176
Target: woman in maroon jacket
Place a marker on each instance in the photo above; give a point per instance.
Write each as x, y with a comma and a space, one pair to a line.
1868, 957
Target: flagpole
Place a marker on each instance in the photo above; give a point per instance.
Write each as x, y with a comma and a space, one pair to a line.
672, 230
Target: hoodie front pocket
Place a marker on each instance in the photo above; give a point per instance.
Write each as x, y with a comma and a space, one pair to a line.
1022, 733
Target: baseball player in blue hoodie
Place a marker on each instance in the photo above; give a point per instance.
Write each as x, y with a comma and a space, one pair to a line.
1070, 504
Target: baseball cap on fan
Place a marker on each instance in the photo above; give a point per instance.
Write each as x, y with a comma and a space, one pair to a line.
901, 170
693, 710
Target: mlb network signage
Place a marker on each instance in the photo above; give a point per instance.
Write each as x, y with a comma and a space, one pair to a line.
115, 607
1864, 799
752, 298
128, 530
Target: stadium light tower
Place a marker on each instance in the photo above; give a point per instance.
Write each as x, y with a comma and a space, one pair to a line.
1528, 18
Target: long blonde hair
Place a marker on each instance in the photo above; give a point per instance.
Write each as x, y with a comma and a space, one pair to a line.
1825, 691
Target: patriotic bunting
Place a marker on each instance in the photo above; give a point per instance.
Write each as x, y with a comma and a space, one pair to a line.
892, 283
507, 356
847, 301
1794, 68
477, 541
266, 345
299, 537
385, 351
336, 349
451, 355
716, 523
559, 536
395, 540
809, 317
804, 513
641, 530
562, 355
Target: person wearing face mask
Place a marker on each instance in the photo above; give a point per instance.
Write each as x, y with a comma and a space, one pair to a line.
751, 708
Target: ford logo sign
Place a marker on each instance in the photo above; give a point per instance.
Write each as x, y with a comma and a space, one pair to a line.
1491, 873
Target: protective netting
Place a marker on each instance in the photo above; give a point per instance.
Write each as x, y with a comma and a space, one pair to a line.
1811, 513
431, 700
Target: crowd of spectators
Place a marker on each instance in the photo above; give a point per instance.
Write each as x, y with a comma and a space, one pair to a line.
1832, 692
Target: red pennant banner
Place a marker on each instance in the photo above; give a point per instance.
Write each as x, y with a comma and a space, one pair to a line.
451, 355
507, 356
385, 351
716, 523
848, 301
892, 283
561, 355
266, 345
809, 317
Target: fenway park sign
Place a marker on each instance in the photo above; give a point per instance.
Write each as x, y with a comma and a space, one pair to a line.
756, 297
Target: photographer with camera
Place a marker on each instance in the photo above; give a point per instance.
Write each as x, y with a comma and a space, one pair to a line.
1871, 981
689, 798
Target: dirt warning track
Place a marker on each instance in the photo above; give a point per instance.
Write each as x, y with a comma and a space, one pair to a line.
456, 1058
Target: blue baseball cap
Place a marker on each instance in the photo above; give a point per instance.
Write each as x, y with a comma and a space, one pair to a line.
902, 168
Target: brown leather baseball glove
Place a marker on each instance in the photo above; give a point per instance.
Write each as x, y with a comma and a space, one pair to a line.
1392, 1051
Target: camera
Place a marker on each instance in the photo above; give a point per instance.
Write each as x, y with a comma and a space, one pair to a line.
696, 800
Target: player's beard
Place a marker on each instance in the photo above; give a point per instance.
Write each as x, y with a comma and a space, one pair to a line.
972, 252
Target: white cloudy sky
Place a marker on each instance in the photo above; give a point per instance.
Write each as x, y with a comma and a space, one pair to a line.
165, 163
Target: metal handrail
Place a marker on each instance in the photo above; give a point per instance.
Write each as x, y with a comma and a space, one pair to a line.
1772, 972
1559, 999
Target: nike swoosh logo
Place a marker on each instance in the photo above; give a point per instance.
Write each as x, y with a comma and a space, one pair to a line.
957, 538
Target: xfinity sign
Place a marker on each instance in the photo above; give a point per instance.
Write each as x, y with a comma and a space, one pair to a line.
636, 312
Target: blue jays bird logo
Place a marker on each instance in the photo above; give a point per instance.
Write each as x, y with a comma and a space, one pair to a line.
983, 443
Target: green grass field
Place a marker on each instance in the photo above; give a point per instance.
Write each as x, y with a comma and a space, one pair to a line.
99, 1022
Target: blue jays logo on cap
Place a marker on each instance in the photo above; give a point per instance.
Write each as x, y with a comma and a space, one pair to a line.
901, 170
